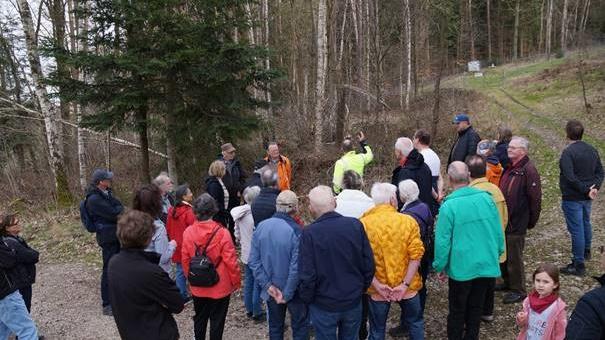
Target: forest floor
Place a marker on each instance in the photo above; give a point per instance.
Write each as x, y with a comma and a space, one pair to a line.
534, 98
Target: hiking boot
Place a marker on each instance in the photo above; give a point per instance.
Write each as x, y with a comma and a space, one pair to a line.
398, 332
574, 268
587, 255
513, 297
107, 311
262, 317
487, 318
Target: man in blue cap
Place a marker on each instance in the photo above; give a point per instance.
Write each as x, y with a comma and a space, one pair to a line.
466, 143
104, 209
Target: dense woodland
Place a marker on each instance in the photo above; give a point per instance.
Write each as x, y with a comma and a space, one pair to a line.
83, 81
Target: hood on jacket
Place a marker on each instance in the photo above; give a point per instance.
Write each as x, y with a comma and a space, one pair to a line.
493, 159
181, 209
354, 195
240, 212
464, 192
414, 159
211, 179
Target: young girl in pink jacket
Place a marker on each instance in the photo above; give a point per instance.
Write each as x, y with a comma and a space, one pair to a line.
543, 316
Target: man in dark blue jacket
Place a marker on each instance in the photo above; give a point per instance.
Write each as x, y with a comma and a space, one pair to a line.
466, 143
580, 180
104, 209
587, 321
14, 317
263, 206
335, 267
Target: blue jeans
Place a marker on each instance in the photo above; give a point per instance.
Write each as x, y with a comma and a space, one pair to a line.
577, 216
181, 281
252, 299
379, 312
299, 319
14, 318
328, 324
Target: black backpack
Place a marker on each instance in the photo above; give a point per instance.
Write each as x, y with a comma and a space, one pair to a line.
86, 218
202, 272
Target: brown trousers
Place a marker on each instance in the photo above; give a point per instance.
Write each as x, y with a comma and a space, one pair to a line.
514, 270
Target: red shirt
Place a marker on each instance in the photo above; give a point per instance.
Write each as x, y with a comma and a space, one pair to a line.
222, 253
176, 224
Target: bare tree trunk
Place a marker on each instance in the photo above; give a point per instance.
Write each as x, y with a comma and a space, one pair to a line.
49, 112
489, 31
141, 123
82, 29
408, 51
322, 65
564, 28
549, 27
586, 13
471, 35
267, 63
516, 31
541, 37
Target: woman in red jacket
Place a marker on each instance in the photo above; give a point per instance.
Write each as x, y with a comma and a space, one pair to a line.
180, 216
211, 303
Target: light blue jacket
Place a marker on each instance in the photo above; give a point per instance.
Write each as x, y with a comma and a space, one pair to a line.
160, 244
274, 255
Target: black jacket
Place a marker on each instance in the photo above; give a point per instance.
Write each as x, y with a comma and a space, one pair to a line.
416, 170
587, 321
235, 180
104, 210
8, 261
581, 168
502, 154
142, 296
26, 261
215, 189
254, 181
263, 206
465, 145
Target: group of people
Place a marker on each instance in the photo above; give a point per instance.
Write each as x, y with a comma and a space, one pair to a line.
338, 275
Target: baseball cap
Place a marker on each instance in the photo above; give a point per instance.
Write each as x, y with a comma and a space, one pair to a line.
287, 198
484, 147
101, 174
461, 117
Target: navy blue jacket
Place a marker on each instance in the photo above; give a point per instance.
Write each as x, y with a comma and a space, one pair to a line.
104, 209
335, 263
8, 261
465, 145
422, 214
587, 322
581, 168
26, 261
416, 169
263, 206
215, 189
502, 154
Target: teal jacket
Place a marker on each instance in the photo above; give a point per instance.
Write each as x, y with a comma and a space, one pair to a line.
468, 236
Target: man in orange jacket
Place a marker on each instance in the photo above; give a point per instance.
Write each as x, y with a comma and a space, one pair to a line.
281, 164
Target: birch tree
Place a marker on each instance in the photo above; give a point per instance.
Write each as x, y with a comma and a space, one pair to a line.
564, 27
549, 13
408, 52
322, 66
49, 111
516, 31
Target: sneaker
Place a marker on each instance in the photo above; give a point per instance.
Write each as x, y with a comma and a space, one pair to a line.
107, 311
487, 318
398, 332
574, 268
587, 255
513, 298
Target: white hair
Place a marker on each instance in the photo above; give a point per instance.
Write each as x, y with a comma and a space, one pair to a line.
161, 178
404, 145
250, 194
458, 172
408, 191
383, 193
322, 199
523, 142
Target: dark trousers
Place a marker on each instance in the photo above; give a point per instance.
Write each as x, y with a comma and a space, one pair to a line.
514, 275
26, 292
424, 273
466, 300
488, 305
213, 309
365, 309
108, 250
299, 319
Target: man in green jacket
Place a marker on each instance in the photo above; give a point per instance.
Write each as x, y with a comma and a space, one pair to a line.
352, 160
468, 243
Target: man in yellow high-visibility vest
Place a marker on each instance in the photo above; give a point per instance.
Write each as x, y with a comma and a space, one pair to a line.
352, 160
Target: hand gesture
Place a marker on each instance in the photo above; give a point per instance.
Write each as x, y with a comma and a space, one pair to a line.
398, 292
442, 277
276, 294
360, 136
592, 194
382, 289
521, 318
